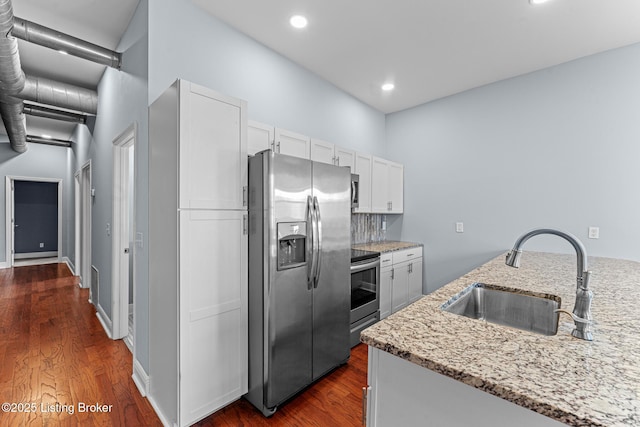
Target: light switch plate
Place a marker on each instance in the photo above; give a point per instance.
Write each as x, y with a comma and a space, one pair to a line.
459, 227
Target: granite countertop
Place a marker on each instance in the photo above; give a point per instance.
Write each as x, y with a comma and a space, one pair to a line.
386, 246
577, 382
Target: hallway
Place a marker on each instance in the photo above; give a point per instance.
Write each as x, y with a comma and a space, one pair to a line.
56, 362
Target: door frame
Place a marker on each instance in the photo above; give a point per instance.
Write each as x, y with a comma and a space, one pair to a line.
9, 213
82, 204
120, 216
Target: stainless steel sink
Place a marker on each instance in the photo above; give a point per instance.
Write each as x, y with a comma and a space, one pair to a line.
506, 306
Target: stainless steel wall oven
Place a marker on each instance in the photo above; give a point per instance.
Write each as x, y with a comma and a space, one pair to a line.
365, 291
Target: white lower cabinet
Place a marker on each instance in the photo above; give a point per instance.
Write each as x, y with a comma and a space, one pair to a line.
400, 279
401, 393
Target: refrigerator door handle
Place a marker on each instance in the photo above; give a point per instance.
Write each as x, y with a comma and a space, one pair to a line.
318, 237
310, 243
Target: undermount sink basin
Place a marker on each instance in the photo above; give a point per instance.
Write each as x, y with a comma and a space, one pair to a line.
508, 307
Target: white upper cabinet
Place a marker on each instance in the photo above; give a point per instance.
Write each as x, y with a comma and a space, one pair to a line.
345, 157
259, 137
326, 152
213, 149
363, 169
322, 151
292, 144
387, 186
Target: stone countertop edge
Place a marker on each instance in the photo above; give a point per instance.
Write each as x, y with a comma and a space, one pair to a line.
386, 246
576, 382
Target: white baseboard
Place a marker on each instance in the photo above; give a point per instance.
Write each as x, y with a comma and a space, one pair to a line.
105, 321
4, 265
140, 378
163, 419
67, 261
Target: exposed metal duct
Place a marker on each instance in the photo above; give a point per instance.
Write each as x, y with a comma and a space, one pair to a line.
53, 39
12, 81
46, 91
55, 114
48, 141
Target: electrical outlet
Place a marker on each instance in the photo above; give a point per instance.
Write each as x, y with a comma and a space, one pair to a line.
42, 245
459, 227
594, 232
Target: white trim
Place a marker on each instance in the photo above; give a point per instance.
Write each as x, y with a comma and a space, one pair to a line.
119, 295
35, 261
140, 378
104, 320
67, 261
163, 419
4, 265
9, 207
83, 229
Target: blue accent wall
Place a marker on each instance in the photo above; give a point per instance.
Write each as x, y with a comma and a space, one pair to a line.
36, 216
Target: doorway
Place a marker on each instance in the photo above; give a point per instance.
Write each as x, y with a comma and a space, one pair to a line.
123, 253
33, 211
83, 199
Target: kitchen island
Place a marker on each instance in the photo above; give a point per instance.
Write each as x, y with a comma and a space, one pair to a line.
565, 379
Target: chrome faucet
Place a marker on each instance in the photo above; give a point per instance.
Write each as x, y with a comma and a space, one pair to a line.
582, 308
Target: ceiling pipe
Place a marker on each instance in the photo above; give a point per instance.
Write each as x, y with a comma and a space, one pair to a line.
55, 114
48, 141
12, 81
46, 91
53, 39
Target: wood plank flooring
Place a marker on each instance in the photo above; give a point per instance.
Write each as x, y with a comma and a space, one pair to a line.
54, 352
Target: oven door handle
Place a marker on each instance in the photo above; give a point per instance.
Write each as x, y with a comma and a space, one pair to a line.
355, 268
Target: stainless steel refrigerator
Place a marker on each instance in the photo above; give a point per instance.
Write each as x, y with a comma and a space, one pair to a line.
299, 280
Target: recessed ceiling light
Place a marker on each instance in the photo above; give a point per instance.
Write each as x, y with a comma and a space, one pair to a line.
388, 86
538, 1
298, 21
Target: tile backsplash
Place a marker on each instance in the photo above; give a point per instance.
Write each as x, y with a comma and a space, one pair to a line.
367, 228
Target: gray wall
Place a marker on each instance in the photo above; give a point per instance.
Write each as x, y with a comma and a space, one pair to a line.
123, 101
556, 148
39, 161
187, 43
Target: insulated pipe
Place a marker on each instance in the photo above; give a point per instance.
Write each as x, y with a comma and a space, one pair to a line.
53, 39
51, 113
45, 91
14, 122
48, 141
12, 81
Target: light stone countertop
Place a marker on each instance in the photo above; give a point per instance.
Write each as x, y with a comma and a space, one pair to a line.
576, 382
386, 246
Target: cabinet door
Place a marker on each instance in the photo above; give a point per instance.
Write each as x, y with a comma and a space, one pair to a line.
259, 137
292, 144
322, 151
345, 157
213, 149
415, 280
400, 287
386, 280
380, 201
363, 169
396, 187
213, 326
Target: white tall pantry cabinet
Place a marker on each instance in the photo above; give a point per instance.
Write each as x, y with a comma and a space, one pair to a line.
198, 315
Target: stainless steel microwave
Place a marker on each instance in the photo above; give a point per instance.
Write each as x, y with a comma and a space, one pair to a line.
355, 190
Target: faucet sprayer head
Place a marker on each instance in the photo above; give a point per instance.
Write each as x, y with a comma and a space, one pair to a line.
513, 258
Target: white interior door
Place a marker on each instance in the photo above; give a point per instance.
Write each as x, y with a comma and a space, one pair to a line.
123, 226
82, 186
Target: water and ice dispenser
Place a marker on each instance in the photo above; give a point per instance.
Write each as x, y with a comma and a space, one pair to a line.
292, 240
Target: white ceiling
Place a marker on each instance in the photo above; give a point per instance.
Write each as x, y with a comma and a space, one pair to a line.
430, 48
97, 21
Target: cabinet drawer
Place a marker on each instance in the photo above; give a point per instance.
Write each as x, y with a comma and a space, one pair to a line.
386, 260
407, 254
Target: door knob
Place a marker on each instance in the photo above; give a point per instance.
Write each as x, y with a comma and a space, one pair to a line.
126, 250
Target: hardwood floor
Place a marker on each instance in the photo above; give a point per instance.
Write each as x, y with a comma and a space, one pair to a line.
55, 356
